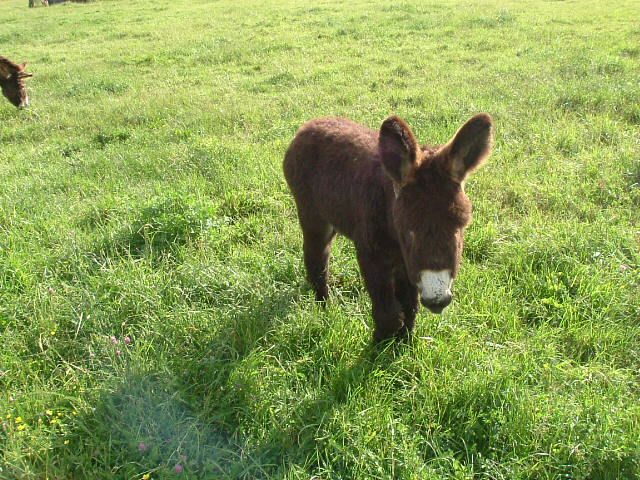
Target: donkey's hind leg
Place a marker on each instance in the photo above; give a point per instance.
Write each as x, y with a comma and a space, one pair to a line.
317, 235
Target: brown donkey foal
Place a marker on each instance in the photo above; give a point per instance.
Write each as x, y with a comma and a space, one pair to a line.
12, 78
403, 206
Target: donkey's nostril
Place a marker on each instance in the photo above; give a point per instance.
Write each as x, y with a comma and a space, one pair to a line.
437, 305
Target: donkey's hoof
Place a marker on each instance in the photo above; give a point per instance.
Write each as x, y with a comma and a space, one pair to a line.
404, 334
380, 336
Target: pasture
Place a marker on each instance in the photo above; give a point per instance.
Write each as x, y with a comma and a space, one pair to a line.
155, 321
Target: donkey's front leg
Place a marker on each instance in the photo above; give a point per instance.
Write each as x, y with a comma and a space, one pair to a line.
407, 295
387, 311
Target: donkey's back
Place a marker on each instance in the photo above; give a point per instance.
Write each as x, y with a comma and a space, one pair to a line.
332, 167
334, 145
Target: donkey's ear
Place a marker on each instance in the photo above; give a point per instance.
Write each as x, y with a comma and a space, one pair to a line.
469, 147
398, 149
21, 71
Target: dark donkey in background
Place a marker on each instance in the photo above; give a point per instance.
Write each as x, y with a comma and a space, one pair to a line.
12, 77
403, 205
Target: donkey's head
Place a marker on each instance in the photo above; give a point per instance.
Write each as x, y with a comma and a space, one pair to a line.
12, 78
431, 209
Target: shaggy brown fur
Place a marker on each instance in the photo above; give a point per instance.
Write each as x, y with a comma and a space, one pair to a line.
403, 205
12, 78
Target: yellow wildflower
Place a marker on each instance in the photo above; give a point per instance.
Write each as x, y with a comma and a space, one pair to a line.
21, 427
18, 419
146, 476
48, 412
66, 442
8, 416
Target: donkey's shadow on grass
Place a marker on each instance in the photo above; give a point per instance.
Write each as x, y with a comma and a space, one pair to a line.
193, 414
223, 385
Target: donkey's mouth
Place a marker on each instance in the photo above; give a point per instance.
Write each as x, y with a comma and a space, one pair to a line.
435, 289
434, 307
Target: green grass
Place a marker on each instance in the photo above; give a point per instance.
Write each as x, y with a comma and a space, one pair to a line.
142, 196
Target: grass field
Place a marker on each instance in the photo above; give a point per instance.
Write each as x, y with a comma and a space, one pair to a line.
153, 307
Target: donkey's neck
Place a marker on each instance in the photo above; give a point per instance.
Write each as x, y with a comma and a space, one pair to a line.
4, 83
390, 202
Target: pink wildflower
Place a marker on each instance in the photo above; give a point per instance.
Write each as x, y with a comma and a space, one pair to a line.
127, 340
114, 340
179, 469
142, 447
